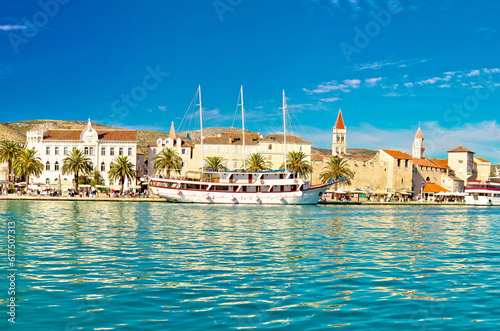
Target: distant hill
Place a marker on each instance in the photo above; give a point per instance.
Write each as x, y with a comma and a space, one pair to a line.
16, 131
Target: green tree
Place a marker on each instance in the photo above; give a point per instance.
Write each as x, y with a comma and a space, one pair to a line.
296, 163
76, 163
214, 163
336, 168
258, 162
121, 169
8, 153
167, 161
28, 163
96, 179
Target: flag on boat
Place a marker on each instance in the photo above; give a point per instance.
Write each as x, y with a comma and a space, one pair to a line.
424, 182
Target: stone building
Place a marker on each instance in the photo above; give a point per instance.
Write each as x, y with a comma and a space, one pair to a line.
482, 168
461, 161
339, 141
101, 146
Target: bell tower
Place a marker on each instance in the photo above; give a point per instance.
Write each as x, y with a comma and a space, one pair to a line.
339, 143
418, 150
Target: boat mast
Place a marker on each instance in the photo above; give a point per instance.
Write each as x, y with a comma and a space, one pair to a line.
201, 128
243, 126
284, 125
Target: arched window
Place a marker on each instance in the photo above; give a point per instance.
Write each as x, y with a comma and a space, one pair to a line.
56, 166
47, 165
427, 179
86, 151
47, 180
103, 166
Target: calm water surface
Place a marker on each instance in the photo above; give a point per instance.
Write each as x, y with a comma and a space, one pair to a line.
158, 266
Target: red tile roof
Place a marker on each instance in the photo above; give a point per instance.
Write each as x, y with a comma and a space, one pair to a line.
102, 135
434, 188
317, 157
231, 138
441, 162
460, 149
427, 163
289, 139
339, 124
398, 154
481, 159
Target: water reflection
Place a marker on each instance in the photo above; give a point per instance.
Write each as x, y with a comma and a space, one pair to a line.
157, 266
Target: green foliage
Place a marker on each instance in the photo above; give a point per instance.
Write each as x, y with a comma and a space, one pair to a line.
8, 153
258, 162
214, 163
96, 179
76, 163
121, 169
296, 163
168, 160
28, 163
336, 167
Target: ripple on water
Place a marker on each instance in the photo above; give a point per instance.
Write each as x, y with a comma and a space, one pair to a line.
110, 266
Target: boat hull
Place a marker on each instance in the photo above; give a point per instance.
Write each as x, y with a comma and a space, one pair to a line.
306, 197
482, 200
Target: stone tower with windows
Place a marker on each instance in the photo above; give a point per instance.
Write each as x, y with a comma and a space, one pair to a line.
339, 143
418, 149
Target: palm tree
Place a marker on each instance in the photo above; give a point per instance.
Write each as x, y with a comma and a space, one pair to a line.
28, 163
336, 168
8, 154
76, 163
214, 163
168, 160
258, 162
122, 169
296, 163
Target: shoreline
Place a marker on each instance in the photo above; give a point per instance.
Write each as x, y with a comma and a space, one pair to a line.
157, 199
105, 199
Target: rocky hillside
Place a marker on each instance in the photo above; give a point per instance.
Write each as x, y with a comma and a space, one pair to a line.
8, 133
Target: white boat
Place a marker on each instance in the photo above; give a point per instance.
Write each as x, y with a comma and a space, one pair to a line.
280, 188
483, 193
240, 187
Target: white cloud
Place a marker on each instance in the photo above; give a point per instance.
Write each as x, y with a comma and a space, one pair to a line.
392, 94
444, 86
410, 84
12, 27
390, 64
162, 108
473, 73
333, 99
372, 81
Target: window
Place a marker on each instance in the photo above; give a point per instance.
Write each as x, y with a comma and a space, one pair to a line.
47, 150
235, 150
103, 166
56, 150
47, 165
184, 164
300, 148
47, 180
270, 146
235, 164
103, 150
399, 163
216, 150
112, 151
56, 166
120, 151
86, 151
130, 151
183, 151
66, 150
91, 151
225, 150
460, 161
154, 151
406, 163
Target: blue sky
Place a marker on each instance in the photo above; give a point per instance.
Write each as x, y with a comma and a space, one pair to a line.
389, 65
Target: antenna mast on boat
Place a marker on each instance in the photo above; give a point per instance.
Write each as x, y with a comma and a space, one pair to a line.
243, 126
284, 125
201, 128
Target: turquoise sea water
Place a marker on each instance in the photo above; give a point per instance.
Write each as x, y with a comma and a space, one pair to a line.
158, 266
